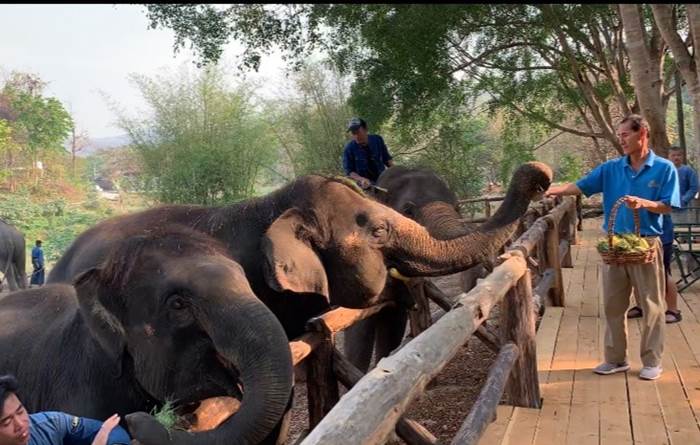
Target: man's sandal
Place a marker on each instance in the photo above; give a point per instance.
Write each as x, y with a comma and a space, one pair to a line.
673, 317
635, 312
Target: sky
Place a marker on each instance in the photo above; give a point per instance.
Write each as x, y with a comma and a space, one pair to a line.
81, 50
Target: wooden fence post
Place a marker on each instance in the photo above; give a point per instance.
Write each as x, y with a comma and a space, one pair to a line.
487, 208
321, 383
518, 326
419, 316
556, 292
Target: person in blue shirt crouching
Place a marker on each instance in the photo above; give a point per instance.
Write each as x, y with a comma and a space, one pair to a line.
649, 184
18, 427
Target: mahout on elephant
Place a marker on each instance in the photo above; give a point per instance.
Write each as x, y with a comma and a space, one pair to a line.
422, 195
318, 242
164, 315
12, 256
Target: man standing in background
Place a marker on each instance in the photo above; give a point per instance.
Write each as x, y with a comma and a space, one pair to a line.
38, 264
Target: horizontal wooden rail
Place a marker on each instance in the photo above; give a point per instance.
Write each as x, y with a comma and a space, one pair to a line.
331, 322
368, 413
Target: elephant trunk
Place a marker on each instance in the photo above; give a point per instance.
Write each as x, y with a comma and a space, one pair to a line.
442, 220
416, 252
256, 345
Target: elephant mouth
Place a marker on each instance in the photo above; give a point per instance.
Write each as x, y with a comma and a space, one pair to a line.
209, 408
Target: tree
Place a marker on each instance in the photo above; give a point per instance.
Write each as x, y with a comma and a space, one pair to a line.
645, 53
204, 142
310, 124
38, 124
545, 62
78, 141
667, 19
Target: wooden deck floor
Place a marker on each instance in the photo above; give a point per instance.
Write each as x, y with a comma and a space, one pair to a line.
580, 407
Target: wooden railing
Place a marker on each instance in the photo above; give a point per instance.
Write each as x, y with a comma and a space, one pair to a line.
375, 402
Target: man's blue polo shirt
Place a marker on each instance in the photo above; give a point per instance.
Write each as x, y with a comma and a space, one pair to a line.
57, 428
656, 180
368, 162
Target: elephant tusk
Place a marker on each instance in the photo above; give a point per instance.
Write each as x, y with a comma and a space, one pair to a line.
396, 274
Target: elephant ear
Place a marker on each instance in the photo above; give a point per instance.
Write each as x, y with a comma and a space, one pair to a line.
104, 325
291, 264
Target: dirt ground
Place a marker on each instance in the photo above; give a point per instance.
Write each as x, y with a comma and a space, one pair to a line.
445, 405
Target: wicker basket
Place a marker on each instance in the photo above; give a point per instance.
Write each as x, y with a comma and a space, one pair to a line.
619, 258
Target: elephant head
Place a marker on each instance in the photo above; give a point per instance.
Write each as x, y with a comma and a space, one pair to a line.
173, 309
339, 243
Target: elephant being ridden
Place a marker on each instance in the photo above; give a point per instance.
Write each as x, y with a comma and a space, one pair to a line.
420, 194
166, 315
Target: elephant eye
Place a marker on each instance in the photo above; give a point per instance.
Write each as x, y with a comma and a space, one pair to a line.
177, 303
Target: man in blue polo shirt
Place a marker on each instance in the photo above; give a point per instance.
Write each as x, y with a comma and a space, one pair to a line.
18, 427
688, 186
365, 157
649, 184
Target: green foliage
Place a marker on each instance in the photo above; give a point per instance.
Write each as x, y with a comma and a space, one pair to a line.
166, 415
449, 141
204, 142
41, 122
570, 168
55, 222
310, 126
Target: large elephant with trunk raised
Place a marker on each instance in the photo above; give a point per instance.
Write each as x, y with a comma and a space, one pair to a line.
12, 257
165, 315
318, 242
422, 195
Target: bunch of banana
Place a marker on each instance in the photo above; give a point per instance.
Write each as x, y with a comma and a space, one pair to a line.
629, 242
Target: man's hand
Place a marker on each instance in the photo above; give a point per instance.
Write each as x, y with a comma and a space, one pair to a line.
635, 202
107, 427
363, 182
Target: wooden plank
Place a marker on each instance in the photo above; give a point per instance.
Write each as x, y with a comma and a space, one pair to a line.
680, 421
521, 429
583, 425
647, 416
496, 431
688, 371
614, 415
369, 411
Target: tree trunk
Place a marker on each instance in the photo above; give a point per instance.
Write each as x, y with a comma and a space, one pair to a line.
687, 64
646, 78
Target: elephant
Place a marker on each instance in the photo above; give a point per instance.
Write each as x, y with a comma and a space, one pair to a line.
12, 256
425, 197
166, 315
318, 242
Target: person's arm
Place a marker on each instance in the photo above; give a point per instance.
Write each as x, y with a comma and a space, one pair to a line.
692, 187
635, 202
84, 431
103, 434
569, 188
669, 196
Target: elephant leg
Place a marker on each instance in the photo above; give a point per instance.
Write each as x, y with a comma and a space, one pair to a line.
390, 330
358, 343
11, 279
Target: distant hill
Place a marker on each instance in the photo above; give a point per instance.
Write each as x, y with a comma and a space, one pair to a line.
106, 143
